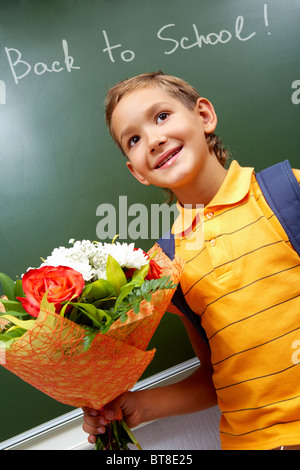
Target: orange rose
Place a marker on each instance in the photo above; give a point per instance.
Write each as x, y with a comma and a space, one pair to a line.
61, 282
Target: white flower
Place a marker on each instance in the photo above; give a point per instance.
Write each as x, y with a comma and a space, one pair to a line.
90, 258
75, 257
126, 255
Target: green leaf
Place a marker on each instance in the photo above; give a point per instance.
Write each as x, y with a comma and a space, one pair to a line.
86, 290
88, 338
6, 343
115, 274
134, 298
102, 290
17, 314
65, 304
139, 275
8, 286
25, 324
5, 337
137, 280
18, 289
14, 332
10, 336
62, 312
123, 317
125, 291
100, 318
13, 305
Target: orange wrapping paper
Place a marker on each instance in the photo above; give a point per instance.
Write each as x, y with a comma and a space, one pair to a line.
50, 356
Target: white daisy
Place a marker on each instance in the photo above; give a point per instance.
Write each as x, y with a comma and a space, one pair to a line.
90, 258
126, 255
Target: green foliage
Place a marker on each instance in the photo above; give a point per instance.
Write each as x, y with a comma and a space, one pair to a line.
143, 292
100, 304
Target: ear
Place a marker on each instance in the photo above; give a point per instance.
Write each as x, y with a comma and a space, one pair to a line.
206, 111
136, 174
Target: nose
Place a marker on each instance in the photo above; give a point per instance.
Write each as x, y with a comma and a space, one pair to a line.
156, 141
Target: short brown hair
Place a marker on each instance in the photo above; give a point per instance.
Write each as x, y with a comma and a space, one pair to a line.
176, 87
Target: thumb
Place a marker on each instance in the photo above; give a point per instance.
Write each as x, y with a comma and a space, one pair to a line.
112, 410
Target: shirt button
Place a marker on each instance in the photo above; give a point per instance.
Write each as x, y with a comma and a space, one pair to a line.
213, 242
209, 215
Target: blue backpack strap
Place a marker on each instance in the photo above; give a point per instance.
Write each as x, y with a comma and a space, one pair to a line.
282, 192
167, 244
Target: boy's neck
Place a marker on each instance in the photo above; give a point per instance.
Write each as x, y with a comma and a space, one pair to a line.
205, 186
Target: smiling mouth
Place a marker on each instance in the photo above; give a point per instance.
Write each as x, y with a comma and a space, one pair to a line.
169, 157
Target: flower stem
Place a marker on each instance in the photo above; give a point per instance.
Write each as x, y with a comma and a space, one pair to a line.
117, 437
131, 435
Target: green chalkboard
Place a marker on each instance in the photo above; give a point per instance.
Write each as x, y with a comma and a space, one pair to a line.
58, 163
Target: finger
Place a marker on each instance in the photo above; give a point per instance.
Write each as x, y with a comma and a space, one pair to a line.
112, 412
90, 411
95, 421
92, 439
112, 409
94, 417
93, 430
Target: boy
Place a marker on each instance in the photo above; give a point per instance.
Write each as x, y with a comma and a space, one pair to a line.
243, 282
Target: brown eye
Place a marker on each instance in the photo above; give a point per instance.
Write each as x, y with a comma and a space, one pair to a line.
162, 117
133, 140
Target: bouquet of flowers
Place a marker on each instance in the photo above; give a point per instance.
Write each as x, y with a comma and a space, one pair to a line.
78, 326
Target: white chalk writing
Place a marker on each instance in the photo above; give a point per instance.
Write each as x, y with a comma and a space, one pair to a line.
21, 68
240, 30
211, 39
126, 56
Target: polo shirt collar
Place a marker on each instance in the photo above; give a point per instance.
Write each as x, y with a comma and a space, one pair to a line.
235, 187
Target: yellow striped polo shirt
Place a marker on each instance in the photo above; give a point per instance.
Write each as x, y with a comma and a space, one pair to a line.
244, 282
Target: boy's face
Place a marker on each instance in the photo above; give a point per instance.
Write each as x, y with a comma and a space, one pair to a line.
164, 140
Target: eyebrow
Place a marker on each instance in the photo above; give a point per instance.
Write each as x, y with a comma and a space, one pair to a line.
129, 130
148, 113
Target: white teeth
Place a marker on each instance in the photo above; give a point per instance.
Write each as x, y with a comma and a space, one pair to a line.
164, 161
167, 159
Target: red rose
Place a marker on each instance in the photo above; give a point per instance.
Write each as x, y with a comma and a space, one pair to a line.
61, 282
154, 270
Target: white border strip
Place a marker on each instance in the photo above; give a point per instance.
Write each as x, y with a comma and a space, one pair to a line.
49, 434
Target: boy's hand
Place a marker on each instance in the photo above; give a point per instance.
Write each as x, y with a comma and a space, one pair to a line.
94, 421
